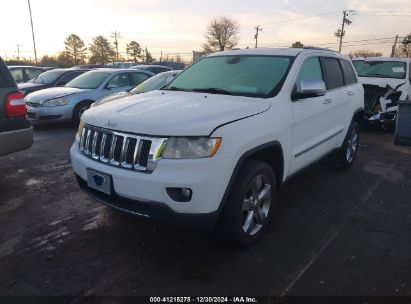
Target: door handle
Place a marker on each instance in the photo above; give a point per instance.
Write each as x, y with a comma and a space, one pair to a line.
349, 93
327, 101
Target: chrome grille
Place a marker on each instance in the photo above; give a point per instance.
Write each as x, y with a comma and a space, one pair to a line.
120, 149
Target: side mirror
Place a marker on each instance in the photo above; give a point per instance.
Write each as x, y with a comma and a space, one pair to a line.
310, 89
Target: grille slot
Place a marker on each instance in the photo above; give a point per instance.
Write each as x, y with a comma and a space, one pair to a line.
120, 149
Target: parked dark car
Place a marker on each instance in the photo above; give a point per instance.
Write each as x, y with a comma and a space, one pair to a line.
52, 78
16, 132
21, 73
156, 69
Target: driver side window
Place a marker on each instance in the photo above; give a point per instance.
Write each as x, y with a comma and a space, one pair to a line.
310, 70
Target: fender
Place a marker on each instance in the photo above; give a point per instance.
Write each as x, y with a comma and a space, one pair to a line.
240, 163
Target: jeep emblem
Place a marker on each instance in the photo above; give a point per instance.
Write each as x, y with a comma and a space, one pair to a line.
111, 124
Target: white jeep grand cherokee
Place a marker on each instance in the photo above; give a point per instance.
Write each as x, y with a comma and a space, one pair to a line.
216, 143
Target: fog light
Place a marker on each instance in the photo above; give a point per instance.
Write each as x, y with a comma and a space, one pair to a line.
186, 192
180, 194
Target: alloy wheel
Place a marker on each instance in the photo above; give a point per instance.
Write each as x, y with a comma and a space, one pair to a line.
256, 205
352, 146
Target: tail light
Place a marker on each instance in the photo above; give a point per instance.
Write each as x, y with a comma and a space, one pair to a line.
15, 105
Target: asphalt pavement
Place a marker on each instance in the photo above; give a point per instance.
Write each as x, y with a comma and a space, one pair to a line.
333, 233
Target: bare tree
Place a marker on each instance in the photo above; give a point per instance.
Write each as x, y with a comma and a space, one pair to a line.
364, 53
405, 49
222, 34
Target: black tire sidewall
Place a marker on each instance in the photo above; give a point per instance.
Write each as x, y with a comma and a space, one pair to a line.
232, 215
76, 112
340, 158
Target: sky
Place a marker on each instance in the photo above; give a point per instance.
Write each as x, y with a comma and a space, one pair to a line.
178, 26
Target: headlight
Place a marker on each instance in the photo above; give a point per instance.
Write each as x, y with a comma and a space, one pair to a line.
190, 147
80, 129
55, 102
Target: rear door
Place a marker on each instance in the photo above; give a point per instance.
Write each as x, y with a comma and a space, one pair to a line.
311, 131
339, 93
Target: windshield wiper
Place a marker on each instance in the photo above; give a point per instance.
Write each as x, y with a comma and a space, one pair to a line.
176, 89
215, 91
376, 75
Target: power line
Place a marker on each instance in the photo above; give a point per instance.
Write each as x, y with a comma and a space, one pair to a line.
297, 19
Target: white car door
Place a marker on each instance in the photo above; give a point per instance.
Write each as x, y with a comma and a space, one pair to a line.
312, 122
340, 96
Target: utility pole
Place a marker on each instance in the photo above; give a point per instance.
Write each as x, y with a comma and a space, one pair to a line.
116, 35
257, 30
394, 46
18, 51
341, 32
32, 32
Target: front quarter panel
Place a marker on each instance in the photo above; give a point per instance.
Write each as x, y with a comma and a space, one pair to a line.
273, 125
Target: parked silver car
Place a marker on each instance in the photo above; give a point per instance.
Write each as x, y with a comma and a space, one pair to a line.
154, 83
69, 102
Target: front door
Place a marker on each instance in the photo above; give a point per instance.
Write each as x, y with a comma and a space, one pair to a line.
312, 122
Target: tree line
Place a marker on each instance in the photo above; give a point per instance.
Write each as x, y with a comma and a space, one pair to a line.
99, 51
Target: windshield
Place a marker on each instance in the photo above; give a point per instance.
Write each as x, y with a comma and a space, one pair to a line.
88, 80
244, 75
382, 69
48, 77
154, 83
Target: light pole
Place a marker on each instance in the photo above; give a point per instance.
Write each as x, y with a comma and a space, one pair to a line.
32, 32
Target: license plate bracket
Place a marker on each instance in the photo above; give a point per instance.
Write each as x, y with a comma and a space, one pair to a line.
99, 181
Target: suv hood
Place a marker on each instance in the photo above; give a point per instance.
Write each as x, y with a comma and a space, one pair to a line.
51, 93
382, 82
167, 113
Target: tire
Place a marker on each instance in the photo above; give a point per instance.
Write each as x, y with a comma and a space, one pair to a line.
244, 219
344, 157
79, 110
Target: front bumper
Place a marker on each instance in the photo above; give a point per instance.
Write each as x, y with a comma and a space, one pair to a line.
145, 192
58, 113
382, 117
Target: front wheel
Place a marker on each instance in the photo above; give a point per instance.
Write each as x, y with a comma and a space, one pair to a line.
249, 205
345, 155
79, 111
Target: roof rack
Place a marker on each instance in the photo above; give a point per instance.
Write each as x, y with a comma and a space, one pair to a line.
308, 47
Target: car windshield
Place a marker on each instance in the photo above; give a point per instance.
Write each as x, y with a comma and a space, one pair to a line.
47, 77
381, 69
243, 75
153, 83
88, 80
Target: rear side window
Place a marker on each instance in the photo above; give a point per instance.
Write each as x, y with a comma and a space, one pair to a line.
349, 75
310, 70
68, 77
137, 78
32, 73
333, 74
17, 74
